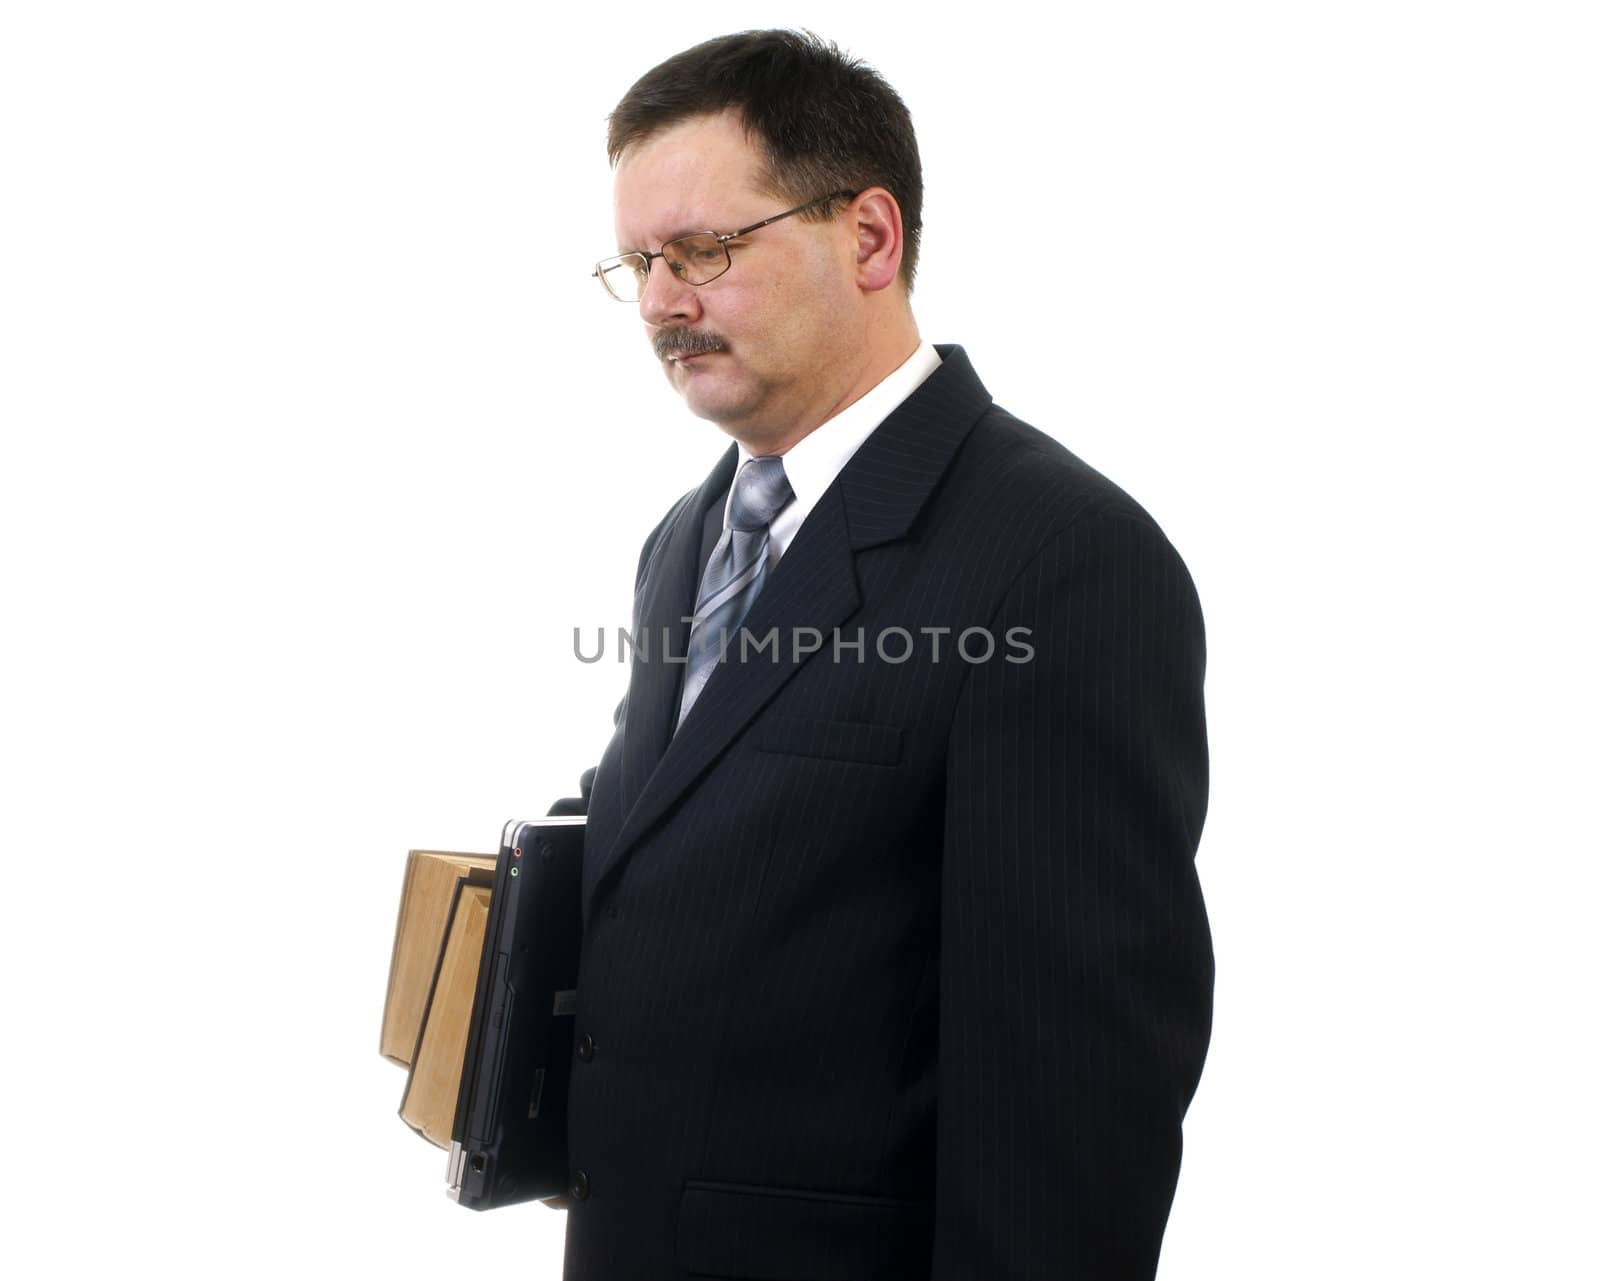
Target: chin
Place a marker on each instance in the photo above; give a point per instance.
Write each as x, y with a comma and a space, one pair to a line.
726, 405
731, 419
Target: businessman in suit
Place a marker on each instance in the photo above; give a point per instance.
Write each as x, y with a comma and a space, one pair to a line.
895, 964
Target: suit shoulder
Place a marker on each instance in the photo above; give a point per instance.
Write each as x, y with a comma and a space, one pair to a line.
1043, 485
1014, 492
1034, 463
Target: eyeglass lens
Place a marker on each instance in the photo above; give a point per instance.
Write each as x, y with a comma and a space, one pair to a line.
696, 260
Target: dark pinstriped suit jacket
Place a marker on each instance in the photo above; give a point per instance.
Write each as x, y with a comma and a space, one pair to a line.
901, 970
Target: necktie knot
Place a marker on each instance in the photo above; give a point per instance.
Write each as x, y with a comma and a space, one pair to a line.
760, 491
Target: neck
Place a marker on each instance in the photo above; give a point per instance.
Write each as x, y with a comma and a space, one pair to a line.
889, 342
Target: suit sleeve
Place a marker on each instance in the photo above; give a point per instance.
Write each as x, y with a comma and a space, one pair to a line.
1075, 958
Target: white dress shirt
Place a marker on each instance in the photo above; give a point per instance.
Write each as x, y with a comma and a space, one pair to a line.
812, 462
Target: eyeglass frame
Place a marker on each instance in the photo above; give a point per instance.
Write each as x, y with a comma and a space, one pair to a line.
722, 241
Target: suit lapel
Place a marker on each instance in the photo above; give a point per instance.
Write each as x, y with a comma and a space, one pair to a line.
874, 500
887, 482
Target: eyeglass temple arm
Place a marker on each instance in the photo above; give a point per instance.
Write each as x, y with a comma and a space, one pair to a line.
765, 222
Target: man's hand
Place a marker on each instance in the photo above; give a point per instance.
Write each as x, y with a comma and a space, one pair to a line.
558, 1202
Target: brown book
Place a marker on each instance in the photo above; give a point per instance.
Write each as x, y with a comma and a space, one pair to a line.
429, 1103
426, 896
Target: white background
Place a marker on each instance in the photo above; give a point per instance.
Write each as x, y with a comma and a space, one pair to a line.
319, 440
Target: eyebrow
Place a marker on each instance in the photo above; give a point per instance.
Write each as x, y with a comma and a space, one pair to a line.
640, 249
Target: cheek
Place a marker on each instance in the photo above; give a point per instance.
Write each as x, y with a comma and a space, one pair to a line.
764, 322
782, 322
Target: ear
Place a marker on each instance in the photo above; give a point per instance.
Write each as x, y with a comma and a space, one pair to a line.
874, 216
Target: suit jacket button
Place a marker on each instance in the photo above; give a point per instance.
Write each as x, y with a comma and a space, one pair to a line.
586, 1047
580, 1186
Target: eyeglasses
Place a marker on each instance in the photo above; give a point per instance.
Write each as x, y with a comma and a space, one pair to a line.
695, 259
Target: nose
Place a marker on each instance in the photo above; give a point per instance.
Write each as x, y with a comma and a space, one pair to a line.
666, 300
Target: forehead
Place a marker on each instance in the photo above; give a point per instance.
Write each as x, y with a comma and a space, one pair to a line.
701, 174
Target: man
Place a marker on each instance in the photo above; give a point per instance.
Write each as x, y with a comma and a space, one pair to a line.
895, 964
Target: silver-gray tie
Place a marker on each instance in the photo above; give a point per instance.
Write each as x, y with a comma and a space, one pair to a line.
735, 572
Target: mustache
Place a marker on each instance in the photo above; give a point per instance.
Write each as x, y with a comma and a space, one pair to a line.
685, 342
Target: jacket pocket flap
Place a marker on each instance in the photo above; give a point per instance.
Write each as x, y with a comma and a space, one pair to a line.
786, 1234
831, 740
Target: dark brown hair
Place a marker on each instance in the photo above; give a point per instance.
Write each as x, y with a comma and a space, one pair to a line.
826, 121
